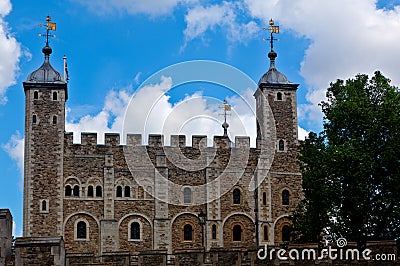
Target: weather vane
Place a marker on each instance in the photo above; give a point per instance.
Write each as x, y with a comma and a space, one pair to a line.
273, 30
50, 26
225, 125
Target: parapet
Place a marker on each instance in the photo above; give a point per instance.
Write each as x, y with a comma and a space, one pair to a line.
157, 141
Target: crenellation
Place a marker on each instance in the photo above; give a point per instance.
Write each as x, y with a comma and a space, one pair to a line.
222, 142
242, 142
134, 139
69, 138
199, 142
156, 140
111, 139
178, 141
88, 138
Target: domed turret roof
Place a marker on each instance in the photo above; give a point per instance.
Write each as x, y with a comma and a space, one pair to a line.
273, 76
45, 73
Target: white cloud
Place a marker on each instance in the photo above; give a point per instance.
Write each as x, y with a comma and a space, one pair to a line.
109, 119
302, 133
152, 8
15, 150
10, 52
346, 39
222, 16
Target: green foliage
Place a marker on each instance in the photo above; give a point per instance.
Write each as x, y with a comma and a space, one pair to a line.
351, 170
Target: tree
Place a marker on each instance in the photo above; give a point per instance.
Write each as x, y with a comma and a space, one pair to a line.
351, 170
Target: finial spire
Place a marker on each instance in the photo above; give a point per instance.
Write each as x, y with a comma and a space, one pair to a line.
50, 26
273, 30
225, 125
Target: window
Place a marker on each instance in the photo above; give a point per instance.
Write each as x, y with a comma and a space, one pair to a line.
54, 96
54, 120
90, 191
135, 230
285, 233
187, 232
265, 232
236, 196
44, 205
237, 233
68, 191
140, 192
81, 230
264, 198
35, 95
187, 195
279, 96
285, 197
99, 192
119, 192
281, 145
127, 191
34, 119
214, 231
76, 191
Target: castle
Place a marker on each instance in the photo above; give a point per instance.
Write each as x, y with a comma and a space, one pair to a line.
108, 199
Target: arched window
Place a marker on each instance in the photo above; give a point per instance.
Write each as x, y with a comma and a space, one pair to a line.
35, 95
285, 233
140, 192
187, 232
127, 191
214, 231
76, 191
54, 119
90, 191
279, 96
99, 192
187, 195
68, 191
135, 230
119, 192
281, 145
237, 233
285, 197
34, 120
81, 230
265, 232
264, 198
54, 96
236, 196
44, 205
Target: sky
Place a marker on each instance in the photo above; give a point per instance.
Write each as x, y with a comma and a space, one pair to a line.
141, 56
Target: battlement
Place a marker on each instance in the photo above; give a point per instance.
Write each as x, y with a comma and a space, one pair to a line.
158, 141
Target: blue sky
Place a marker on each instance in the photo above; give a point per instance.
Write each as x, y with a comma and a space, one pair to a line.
113, 46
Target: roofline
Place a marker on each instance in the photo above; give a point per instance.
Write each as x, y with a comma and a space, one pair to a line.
46, 85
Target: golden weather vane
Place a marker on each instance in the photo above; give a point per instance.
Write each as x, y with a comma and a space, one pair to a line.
227, 108
50, 26
273, 29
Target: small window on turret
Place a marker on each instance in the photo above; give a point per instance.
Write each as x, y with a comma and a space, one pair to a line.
35, 95
54, 120
44, 206
55, 96
34, 119
279, 96
281, 145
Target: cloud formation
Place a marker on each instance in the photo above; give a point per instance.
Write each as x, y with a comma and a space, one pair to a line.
224, 17
10, 52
